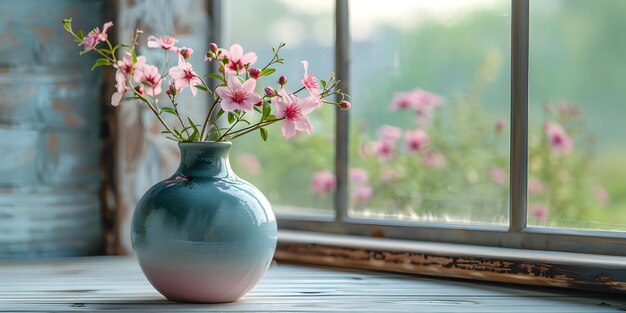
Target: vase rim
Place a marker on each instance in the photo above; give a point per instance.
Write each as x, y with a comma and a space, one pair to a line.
205, 143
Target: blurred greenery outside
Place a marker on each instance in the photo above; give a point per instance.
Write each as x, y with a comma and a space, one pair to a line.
576, 56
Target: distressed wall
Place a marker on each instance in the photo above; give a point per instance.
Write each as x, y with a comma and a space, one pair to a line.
49, 139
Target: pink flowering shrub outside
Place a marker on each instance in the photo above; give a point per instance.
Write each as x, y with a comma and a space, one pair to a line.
426, 172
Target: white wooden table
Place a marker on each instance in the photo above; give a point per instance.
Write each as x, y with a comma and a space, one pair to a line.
102, 284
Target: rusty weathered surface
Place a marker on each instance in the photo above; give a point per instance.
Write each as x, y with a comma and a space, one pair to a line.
49, 140
505, 270
142, 156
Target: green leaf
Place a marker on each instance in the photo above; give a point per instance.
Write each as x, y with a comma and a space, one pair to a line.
100, 62
67, 24
256, 108
323, 82
196, 133
201, 88
266, 111
268, 71
271, 117
167, 110
133, 54
217, 76
231, 117
219, 114
263, 134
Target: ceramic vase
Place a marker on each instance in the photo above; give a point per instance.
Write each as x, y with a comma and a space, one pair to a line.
204, 234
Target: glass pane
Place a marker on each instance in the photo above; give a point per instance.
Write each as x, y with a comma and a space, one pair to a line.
430, 86
283, 169
577, 106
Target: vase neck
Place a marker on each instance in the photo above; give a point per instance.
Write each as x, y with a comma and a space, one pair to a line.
204, 159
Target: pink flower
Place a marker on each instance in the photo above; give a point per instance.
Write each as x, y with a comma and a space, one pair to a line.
122, 74
250, 163
149, 78
416, 140
389, 133
425, 103
418, 99
558, 138
601, 195
539, 211
255, 73
499, 176
294, 112
164, 41
500, 124
434, 160
237, 60
358, 175
238, 96
95, 37
184, 76
310, 83
384, 149
323, 182
535, 186
363, 194
184, 52
402, 100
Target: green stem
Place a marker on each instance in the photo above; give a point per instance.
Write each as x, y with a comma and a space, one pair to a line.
231, 127
252, 128
154, 110
208, 118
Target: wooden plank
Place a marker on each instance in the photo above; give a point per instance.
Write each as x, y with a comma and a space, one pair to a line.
116, 283
542, 268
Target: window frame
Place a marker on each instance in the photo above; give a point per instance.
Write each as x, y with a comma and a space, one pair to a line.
516, 235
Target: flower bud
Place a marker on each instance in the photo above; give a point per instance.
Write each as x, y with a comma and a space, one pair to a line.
225, 60
254, 73
269, 91
171, 91
209, 56
345, 105
221, 69
213, 47
185, 52
260, 103
282, 80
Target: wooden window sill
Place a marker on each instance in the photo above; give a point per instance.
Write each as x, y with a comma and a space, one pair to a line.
117, 284
532, 267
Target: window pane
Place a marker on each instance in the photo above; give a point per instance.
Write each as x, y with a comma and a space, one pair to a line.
281, 168
577, 106
430, 87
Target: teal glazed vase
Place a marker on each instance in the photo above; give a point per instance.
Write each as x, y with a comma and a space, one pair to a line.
204, 234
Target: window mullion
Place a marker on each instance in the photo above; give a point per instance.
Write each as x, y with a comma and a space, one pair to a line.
519, 115
342, 70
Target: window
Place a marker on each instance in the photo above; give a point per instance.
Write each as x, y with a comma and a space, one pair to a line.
491, 151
